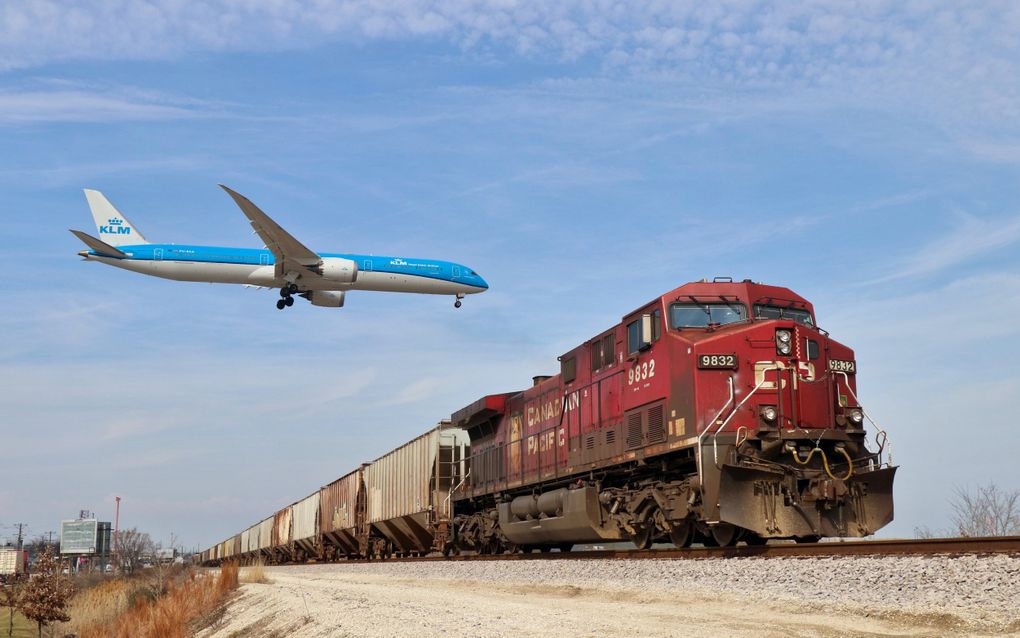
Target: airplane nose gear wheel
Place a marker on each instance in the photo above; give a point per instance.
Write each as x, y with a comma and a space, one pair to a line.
457, 304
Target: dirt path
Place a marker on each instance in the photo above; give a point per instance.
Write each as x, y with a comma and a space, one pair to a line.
307, 602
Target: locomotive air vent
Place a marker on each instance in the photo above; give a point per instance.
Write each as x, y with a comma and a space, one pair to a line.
540, 378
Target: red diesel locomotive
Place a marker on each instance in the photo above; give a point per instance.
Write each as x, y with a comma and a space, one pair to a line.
717, 412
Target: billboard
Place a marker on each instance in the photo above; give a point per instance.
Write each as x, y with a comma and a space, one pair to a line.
79, 536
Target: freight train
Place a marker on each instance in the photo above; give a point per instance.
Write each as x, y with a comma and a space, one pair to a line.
717, 413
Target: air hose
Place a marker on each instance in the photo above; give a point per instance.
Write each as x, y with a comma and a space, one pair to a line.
825, 461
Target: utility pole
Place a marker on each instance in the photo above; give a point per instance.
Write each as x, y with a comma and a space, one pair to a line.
21, 527
116, 535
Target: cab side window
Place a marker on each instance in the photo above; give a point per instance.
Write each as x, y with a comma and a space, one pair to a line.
568, 368
633, 336
609, 349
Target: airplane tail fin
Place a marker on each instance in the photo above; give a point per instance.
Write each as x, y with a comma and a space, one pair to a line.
114, 228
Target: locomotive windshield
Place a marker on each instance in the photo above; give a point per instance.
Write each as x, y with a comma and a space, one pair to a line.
701, 315
779, 312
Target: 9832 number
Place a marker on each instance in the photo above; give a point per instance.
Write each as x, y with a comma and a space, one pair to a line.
717, 361
641, 372
839, 365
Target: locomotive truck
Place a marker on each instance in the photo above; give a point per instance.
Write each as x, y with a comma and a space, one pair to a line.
717, 413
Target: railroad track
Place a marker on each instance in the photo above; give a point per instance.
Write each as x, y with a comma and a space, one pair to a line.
916, 547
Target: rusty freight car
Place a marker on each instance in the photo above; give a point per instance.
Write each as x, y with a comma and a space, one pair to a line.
342, 516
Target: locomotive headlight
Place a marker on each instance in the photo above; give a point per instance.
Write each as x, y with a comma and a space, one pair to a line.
856, 416
783, 339
768, 413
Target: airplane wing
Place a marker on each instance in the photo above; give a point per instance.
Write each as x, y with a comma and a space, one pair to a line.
98, 245
289, 252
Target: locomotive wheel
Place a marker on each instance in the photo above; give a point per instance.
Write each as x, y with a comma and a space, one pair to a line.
754, 540
682, 533
565, 547
725, 535
642, 537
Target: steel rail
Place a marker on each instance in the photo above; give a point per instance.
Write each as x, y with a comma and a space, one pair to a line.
914, 547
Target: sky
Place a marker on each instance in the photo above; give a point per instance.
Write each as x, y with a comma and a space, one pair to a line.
584, 156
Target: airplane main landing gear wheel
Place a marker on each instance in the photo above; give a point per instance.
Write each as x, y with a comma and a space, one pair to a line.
286, 296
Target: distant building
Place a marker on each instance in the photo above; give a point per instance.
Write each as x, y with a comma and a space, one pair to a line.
86, 542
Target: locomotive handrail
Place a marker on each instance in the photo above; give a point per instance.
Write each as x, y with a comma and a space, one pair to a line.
715, 437
446, 503
704, 432
878, 428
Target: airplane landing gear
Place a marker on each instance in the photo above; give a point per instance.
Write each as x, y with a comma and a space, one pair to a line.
457, 303
286, 299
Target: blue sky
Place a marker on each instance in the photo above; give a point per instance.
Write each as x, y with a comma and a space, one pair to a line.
582, 156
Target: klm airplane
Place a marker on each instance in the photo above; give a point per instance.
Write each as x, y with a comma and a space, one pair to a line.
285, 263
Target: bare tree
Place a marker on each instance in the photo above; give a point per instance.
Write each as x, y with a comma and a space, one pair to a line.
132, 547
986, 511
923, 531
10, 597
47, 592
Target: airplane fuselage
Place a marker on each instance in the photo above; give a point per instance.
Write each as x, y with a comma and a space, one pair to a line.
257, 267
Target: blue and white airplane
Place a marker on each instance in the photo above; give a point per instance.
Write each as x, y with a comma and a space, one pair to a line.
285, 263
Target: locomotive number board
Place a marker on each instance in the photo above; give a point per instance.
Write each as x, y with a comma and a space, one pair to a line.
717, 361
840, 365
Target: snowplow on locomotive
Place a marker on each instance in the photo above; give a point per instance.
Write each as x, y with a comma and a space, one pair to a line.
717, 412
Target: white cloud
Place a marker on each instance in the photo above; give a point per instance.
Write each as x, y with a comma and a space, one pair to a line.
84, 106
971, 237
952, 64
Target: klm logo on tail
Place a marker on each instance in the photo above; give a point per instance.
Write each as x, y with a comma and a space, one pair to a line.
115, 227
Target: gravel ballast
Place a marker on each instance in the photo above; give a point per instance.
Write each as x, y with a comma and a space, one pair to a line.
901, 595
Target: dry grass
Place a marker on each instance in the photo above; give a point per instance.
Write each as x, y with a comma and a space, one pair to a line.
254, 573
101, 604
115, 610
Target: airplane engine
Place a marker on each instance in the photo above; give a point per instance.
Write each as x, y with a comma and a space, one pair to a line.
344, 271
326, 298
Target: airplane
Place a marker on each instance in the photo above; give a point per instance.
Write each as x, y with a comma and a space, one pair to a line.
285, 263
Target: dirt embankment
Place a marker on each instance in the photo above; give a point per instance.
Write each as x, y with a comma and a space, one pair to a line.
641, 598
